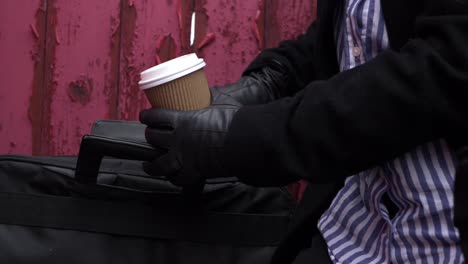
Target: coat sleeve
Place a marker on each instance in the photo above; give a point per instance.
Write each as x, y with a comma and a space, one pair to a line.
295, 58
362, 117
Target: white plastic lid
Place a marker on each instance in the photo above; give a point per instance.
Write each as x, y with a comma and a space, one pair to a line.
170, 70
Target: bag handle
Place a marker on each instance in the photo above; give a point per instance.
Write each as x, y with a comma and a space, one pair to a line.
118, 139
94, 148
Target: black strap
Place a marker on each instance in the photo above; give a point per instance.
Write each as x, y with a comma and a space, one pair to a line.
138, 220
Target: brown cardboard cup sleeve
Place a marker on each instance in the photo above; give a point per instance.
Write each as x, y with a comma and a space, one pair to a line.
179, 84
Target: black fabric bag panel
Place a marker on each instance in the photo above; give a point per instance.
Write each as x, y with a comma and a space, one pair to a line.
39, 245
123, 180
129, 217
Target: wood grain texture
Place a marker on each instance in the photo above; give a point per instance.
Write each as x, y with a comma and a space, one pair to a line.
82, 82
22, 33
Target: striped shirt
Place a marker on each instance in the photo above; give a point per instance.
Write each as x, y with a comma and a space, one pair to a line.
357, 227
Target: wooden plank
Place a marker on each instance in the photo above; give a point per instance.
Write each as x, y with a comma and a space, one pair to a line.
156, 32
82, 73
242, 29
286, 19
150, 34
22, 32
234, 45
86, 61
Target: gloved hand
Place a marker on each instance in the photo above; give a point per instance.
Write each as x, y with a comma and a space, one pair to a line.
258, 87
195, 140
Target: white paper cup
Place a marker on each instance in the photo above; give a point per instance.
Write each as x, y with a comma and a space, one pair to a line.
178, 84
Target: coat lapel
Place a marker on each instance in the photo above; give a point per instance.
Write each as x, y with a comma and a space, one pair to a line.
326, 53
399, 18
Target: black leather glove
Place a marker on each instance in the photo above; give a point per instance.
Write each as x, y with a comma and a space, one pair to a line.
195, 140
258, 87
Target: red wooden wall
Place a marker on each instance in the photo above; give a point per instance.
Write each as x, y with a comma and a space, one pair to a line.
66, 63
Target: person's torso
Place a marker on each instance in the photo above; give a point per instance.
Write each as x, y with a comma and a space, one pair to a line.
358, 227
399, 16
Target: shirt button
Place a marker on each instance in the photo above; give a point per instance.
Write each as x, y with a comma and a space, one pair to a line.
357, 51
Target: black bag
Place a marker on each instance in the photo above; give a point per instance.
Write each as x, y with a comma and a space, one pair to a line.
81, 210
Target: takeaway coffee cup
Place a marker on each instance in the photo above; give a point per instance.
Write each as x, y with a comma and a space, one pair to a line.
178, 84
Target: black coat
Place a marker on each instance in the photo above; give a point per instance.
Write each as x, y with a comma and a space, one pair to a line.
331, 125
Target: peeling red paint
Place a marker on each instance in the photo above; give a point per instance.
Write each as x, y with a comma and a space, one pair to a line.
115, 28
281, 19
201, 24
185, 9
43, 85
166, 49
209, 38
180, 11
130, 92
113, 81
72, 30
157, 59
272, 32
259, 26
223, 38
57, 37
50, 84
80, 91
287, 21
34, 31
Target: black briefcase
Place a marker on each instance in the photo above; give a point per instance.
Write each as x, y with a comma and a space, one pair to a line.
96, 209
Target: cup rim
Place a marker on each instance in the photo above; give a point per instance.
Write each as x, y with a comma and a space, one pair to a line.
170, 70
